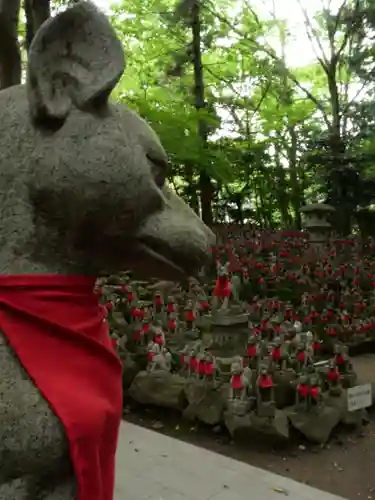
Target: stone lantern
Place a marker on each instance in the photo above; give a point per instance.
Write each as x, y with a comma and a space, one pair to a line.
316, 222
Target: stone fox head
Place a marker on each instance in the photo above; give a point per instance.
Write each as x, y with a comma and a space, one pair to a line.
82, 180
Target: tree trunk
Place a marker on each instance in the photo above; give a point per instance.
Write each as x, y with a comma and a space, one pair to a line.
191, 188
205, 184
297, 191
10, 56
294, 181
339, 192
37, 11
265, 213
282, 188
335, 101
339, 189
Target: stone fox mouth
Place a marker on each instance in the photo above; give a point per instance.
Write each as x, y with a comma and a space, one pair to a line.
184, 261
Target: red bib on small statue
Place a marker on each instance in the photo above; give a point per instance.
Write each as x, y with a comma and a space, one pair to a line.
237, 382
58, 330
222, 287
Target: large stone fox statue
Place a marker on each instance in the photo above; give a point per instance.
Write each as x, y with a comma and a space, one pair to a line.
82, 194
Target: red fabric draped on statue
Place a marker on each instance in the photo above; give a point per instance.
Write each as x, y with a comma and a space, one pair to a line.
222, 287
237, 382
56, 326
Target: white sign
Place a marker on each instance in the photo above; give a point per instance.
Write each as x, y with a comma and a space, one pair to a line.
359, 397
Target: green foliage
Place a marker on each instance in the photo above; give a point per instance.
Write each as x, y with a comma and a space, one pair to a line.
249, 136
278, 136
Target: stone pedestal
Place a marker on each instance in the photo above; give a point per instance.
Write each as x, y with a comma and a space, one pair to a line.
229, 327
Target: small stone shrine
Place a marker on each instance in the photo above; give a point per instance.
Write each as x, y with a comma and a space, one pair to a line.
316, 222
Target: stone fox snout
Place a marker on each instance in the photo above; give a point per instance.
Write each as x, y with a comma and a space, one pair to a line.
82, 179
176, 237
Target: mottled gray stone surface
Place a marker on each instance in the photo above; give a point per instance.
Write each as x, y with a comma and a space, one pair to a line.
81, 192
34, 454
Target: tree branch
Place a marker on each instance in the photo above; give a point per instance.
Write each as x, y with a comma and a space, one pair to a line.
236, 119
263, 96
312, 35
271, 53
346, 108
338, 16
308, 94
223, 80
349, 32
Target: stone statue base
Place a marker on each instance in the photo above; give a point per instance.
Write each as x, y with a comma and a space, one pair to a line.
316, 425
227, 318
340, 403
205, 403
159, 388
251, 427
239, 407
266, 410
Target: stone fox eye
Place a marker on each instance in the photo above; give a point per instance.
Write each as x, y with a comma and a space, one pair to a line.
159, 169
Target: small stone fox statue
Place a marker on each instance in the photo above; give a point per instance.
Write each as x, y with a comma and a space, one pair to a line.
82, 195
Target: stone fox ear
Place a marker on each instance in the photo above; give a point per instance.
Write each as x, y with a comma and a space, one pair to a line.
75, 60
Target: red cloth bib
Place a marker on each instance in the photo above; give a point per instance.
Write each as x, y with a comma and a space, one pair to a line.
303, 390
138, 335
150, 356
193, 363
159, 339
237, 382
301, 356
333, 375
190, 316
276, 354
222, 287
170, 307
209, 368
265, 382
314, 392
137, 313
202, 367
56, 326
339, 359
252, 351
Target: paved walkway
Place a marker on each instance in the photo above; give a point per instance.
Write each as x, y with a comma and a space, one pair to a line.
151, 466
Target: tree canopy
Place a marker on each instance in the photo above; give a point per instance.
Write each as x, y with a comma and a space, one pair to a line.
250, 136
